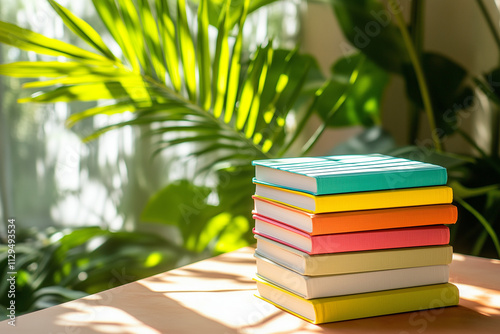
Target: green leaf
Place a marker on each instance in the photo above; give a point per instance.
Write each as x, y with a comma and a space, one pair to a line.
52, 69
111, 17
64, 293
461, 191
198, 138
233, 146
234, 235
286, 77
490, 85
186, 46
250, 86
175, 203
367, 24
486, 225
295, 78
216, 7
117, 108
136, 90
255, 109
447, 87
82, 29
221, 63
137, 122
235, 189
130, 16
235, 69
168, 37
83, 79
353, 95
151, 35
184, 205
203, 55
491, 212
28, 40
447, 160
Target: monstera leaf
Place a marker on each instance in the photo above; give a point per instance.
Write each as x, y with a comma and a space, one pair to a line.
368, 26
354, 93
448, 89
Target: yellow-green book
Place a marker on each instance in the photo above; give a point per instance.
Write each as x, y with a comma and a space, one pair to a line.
352, 262
367, 200
363, 305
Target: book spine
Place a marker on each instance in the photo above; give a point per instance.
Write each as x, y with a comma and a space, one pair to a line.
365, 220
345, 263
383, 199
382, 303
380, 239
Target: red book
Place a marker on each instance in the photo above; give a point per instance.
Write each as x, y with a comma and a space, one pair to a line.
350, 242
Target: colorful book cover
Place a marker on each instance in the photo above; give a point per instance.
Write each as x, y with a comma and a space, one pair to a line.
354, 221
368, 200
370, 304
352, 262
347, 173
310, 287
352, 242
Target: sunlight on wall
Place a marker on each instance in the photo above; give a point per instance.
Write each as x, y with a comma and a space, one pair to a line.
70, 183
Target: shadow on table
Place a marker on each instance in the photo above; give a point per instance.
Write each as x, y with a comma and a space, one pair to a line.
137, 310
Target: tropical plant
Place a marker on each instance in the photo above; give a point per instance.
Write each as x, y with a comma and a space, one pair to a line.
225, 105
443, 90
56, 266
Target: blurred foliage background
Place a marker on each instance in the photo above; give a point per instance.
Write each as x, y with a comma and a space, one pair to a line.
130, 152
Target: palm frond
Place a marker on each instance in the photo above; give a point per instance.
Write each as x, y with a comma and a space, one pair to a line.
168, 78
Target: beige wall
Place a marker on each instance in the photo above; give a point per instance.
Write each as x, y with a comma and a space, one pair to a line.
454, 28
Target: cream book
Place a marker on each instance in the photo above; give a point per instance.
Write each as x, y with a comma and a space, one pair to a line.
310, 287
362, 305
352, 262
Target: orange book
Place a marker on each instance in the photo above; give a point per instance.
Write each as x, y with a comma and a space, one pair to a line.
355, 221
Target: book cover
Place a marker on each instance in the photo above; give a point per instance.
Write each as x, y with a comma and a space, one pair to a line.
352, 262
369, 200
363, 305
353, 221
347, 173
309, 287
354, 241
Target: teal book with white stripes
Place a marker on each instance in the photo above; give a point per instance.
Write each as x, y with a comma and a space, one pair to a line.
347, 173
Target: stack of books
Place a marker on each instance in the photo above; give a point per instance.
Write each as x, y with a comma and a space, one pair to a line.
346, 237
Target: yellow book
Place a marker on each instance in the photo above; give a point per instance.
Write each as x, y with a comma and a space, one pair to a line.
367, 200
363, 305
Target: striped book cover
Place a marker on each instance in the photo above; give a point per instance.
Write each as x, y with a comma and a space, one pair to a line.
347, 173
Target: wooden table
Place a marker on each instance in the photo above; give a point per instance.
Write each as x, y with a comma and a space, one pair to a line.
217, 296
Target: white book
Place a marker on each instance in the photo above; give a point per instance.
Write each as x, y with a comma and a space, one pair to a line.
310, 287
